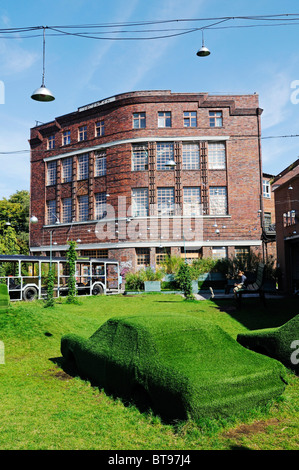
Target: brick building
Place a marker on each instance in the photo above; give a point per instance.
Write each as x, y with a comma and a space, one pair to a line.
286, 191
101, 175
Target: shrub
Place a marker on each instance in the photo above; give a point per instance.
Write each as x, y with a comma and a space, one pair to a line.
134, 281
183, 279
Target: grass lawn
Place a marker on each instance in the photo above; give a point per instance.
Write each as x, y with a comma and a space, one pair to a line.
44, 408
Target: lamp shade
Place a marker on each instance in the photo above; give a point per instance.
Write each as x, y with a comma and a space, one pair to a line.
42, 94
203, 52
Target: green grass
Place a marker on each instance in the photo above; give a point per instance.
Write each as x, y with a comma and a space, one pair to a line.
42, 407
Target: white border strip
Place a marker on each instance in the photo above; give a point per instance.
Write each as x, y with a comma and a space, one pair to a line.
134, 141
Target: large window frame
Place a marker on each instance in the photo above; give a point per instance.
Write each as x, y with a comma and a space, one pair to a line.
218, 200
216, 156
100, 163
190, 156
83, 166
140, 206
139, 157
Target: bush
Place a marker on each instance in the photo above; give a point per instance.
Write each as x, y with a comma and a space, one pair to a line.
135, 281
184, 281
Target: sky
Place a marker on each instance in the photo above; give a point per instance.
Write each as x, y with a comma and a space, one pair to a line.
260, 58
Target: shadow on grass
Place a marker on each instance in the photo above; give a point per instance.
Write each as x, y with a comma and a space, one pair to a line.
254, 315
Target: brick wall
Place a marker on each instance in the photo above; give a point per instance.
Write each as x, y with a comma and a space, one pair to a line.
242, 175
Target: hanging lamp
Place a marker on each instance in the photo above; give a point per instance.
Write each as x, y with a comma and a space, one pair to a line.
203, 51
42, 93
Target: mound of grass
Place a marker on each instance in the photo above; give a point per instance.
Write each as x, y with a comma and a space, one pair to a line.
185, 366
279, 343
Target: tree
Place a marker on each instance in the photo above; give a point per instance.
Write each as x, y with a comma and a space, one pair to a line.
71, 256
15, 211
184, 281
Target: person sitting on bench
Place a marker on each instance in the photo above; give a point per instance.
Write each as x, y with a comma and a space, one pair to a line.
241, 284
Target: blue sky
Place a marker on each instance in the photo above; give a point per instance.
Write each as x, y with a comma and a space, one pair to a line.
79, 71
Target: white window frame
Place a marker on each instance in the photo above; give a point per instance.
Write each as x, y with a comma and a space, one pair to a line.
51, 173
216, 156
190, 119
165, 200
100, 163
218, 200
139, 157
190, 156
216, 118
100, 128
164, 118
139, 199
100, 205
66, 170
66, 137
83, 208
192, 200
165, 152
51, 142
83, 166
139, 120
67, 207
51, 212
82, 133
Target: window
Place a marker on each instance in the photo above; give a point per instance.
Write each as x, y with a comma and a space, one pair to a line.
100, 129
139, 202
267, 220
242, 253
190, 157
161, 254
83, 163
164, 154
67, 170
216, 156
51, 142
290, 218
266, 189
100, 205
192, 201
215, 118
165, 200
82, 133
219, 252
66, 137
139, 121
95, 253
143, 256
164, 119
66, 210
190, 119
100, 167
51, 173
51, 212
139, 157
218, 200
83, 208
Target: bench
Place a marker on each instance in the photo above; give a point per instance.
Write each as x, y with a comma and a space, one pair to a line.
256, 287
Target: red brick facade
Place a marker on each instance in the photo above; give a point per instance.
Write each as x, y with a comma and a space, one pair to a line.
286, 191
234, 169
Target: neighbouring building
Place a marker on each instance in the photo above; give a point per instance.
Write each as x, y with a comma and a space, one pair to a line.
286, 191
269, 228
100, 175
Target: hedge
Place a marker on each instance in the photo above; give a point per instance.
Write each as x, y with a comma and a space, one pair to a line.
280, 343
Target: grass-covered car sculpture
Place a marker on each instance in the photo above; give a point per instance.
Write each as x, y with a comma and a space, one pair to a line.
185, 367
281, 343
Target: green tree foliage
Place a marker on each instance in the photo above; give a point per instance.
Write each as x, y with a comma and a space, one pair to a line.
50, 287
14, 238
71, 255
183, 279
